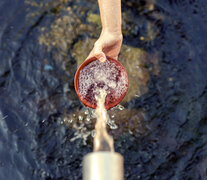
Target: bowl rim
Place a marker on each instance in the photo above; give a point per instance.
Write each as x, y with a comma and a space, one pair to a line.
76, 81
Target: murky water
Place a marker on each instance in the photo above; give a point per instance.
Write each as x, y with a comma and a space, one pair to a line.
160, 127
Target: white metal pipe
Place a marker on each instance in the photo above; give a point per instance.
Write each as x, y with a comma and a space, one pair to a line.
103, 166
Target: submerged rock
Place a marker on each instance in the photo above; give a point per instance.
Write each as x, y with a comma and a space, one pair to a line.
135, 62
82, 49
94, 18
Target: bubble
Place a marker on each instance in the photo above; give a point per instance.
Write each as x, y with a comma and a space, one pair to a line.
112, 124
97, 75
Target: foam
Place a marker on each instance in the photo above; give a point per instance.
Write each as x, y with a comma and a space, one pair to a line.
97, 75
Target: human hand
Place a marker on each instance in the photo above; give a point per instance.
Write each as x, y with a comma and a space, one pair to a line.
108, 44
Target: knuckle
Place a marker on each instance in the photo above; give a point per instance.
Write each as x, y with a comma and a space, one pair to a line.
97, 50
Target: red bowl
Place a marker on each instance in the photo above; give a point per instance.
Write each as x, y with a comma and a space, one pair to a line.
108, 103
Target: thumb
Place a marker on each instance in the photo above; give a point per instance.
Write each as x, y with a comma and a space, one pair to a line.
99, 54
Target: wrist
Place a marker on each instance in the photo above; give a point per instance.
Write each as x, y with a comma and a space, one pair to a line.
114, 33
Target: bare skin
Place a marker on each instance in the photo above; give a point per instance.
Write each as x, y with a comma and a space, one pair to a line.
110, 40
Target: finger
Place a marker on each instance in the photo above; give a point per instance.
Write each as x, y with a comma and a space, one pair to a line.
99, 54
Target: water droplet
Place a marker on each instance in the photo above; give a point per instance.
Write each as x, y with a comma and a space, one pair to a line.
80, 118
88, 118
114, 108
4, 117
86, 112
120, 107
113, 126
93, 133
109, 121
93, 114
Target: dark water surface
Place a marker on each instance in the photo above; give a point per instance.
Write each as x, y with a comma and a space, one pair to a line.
162, 134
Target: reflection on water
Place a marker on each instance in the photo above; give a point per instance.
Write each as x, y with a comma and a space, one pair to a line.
160, 127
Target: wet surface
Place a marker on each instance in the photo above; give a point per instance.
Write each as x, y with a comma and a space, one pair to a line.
45, 130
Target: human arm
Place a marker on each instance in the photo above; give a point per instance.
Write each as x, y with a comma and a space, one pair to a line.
110, 40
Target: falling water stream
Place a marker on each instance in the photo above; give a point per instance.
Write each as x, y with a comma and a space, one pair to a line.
102, 140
